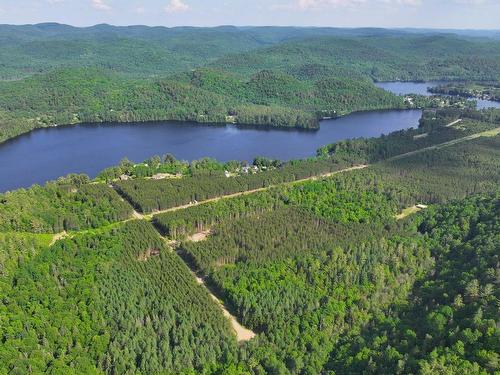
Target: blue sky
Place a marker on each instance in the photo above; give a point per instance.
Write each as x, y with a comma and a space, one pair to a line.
473, 14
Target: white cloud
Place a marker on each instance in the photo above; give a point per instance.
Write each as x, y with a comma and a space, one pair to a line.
308, 4
176, 6
100, 5
315, 4
406, 2
140, 10
471, 2
55, 1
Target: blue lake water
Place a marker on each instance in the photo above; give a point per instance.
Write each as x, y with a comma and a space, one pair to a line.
45, 154
421, 88
402, 88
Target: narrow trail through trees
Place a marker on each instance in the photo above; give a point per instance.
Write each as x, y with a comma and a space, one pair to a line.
487, 133
454, 123
242, 333
247, 192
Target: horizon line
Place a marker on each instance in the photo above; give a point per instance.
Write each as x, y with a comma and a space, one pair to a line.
251, 26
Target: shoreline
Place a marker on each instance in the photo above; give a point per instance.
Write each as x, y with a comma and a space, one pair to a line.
306, 141
264, 127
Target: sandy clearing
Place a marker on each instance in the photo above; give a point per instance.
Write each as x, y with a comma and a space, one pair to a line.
199, 236
58, 236
407, 212
137, 215
411, 210
242, 333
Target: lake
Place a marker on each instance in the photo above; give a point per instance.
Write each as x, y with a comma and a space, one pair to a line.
402, 88
45, 154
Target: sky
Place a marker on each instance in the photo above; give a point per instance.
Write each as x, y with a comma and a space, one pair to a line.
456, 14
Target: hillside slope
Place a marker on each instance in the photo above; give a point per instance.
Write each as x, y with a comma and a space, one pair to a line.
70, 96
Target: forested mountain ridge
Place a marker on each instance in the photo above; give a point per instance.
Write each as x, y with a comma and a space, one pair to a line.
159, 50
150, 51
71, 96
385, 58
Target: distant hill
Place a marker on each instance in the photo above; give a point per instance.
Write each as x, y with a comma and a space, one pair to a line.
382, 58
155, 51
137, 50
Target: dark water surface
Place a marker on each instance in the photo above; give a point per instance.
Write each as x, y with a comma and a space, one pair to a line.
402, 88
46, 154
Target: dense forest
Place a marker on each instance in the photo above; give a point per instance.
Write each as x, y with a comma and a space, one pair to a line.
301, 281
284, 77
63, 205
275, 265
157, 51
448, 325
325, 273
79, 307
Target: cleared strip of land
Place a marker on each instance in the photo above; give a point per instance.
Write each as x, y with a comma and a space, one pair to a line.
409, 211
487, 133
454, 123
253, 191
242, 333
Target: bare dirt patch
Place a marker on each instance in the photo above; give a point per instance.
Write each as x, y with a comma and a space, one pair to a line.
199, 236
163, 176
242, 333
137, 215
58, 236
410, 211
